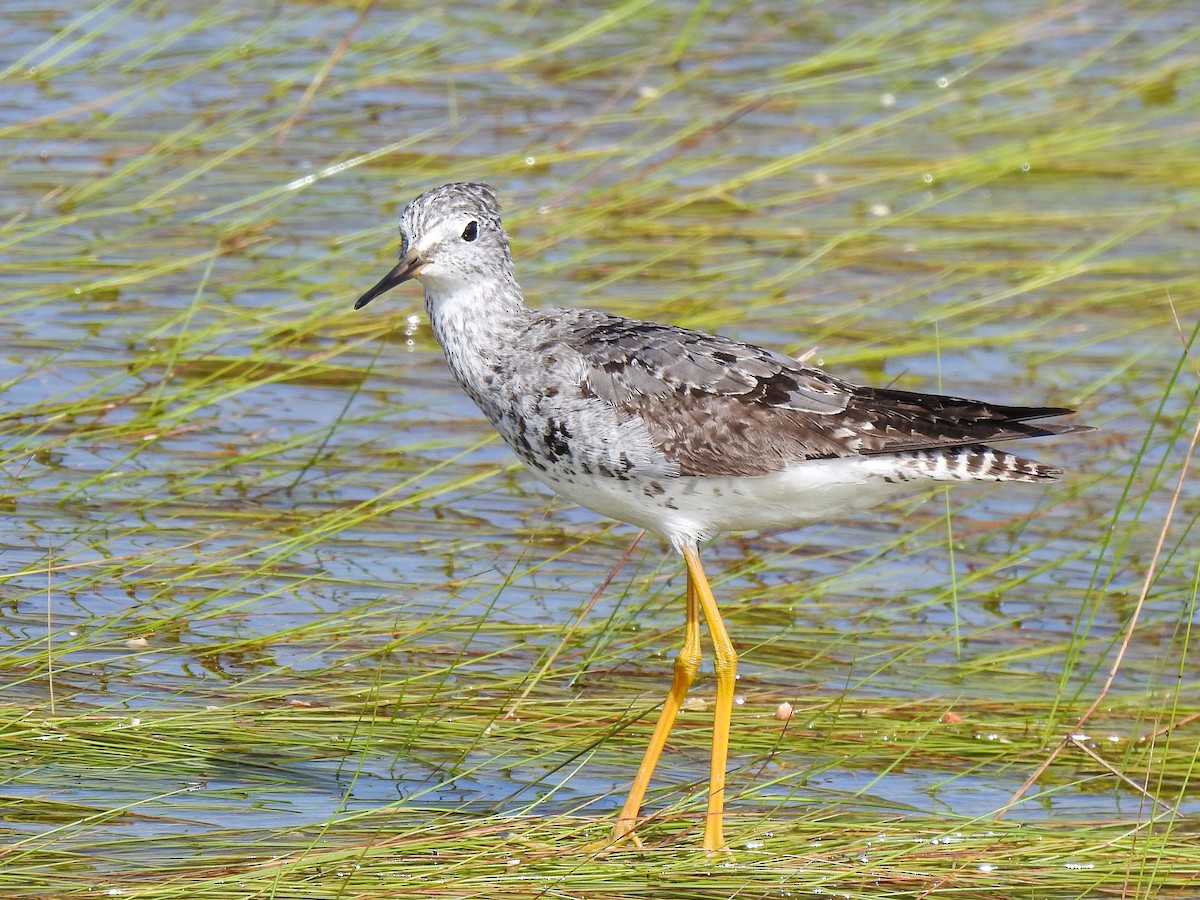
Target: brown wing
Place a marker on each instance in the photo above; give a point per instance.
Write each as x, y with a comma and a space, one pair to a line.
722, 407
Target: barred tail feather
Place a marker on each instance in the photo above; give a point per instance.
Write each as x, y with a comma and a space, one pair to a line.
975, 462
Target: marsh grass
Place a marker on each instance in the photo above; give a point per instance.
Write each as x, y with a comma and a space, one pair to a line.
282, 618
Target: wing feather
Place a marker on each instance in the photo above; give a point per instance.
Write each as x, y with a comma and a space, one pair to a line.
717, 406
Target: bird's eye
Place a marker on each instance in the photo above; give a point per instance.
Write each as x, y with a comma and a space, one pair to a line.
471, 231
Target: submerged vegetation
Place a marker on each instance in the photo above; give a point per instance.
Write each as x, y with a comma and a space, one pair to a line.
281, 618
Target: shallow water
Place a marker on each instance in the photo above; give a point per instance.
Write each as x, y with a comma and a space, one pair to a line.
185, 564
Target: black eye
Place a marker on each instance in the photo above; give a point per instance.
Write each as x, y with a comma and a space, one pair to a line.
471, 231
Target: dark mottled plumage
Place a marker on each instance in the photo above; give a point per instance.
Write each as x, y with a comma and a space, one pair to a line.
722, 407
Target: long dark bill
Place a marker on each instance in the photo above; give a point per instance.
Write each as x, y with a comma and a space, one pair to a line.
408, 267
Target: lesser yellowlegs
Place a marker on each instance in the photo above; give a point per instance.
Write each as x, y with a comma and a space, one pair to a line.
683, 433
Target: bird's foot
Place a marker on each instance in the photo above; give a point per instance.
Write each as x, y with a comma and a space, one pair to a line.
624, 831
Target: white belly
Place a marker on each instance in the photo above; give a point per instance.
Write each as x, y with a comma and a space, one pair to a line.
688, 509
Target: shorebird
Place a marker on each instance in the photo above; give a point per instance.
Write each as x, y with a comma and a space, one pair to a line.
683, 433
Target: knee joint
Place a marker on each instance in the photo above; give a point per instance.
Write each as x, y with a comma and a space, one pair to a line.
687, 664
725, 663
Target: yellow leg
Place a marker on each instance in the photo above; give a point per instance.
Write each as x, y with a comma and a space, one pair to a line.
687, 663
725, 669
